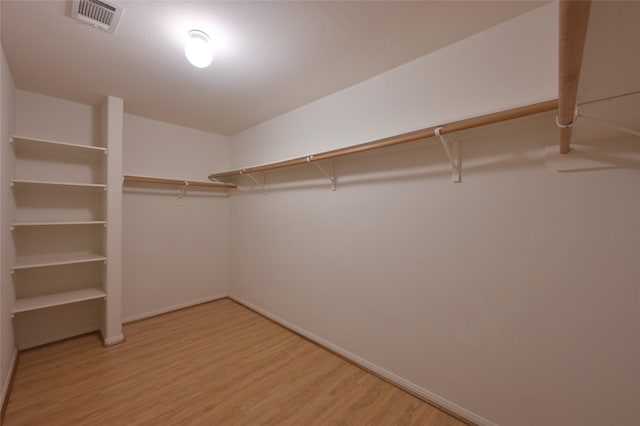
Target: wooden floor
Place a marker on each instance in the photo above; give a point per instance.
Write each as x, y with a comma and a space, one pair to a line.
213, 364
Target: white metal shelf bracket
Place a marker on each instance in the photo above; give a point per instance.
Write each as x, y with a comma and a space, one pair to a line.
182, 190
452, 148
331, 176
262, 184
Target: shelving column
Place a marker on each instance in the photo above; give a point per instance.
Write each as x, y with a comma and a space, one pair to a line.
112, 124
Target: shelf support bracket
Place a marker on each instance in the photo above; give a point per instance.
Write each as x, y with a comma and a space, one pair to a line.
452, 148
182, 190
257, 182
331, 176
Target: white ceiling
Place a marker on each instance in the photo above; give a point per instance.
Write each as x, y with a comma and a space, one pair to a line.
277, 55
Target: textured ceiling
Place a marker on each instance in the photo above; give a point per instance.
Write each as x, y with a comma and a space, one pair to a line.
276, 56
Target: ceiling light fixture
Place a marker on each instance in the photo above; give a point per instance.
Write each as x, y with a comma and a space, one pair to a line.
198, 49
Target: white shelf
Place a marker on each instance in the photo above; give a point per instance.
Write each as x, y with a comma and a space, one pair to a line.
60, 223
49, 147
41, 302
70, 185
54, 260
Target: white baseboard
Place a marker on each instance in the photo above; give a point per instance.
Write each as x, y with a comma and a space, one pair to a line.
164, 310
7, 380
391, 377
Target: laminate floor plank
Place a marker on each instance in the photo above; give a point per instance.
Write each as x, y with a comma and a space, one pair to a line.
213, 364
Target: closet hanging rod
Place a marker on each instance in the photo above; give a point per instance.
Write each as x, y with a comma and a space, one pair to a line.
163, 181
573, 21
399, 139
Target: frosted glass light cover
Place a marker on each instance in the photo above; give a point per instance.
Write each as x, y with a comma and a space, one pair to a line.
198, 49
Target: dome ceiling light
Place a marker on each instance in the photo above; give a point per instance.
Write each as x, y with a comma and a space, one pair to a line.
199, 50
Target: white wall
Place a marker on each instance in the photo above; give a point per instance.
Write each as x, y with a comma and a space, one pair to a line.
175, 250
7, 207
435, 89
46, 117
511, 298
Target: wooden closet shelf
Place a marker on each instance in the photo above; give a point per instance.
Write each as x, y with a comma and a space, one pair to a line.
45, 146
164, 181
399, 139
56, 184
58, 223
40, 302
28, 262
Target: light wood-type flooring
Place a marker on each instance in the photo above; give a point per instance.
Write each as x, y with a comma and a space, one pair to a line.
213, 364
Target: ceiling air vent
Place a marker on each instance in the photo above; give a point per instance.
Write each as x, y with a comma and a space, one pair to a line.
98, 14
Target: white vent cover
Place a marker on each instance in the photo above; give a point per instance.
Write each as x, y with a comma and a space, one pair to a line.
98, 14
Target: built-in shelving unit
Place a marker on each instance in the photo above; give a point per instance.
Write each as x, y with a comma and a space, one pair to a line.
60, 191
